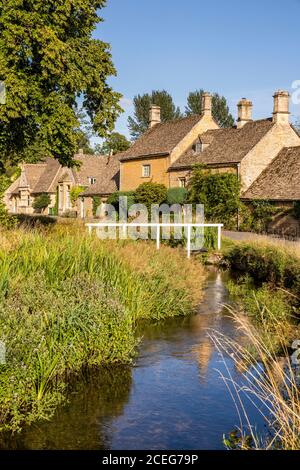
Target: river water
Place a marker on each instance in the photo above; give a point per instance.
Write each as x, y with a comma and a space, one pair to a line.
173, 397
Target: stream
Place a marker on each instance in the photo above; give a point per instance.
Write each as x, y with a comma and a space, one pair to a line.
172, 398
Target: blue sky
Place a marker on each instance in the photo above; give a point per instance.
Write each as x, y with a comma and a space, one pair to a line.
237, 48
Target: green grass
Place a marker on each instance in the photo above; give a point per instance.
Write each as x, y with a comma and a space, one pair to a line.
266, 262
268, 289
70, 302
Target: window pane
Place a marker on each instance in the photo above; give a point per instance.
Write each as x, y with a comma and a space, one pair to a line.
146, 171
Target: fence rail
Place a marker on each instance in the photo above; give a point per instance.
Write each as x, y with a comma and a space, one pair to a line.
125, 226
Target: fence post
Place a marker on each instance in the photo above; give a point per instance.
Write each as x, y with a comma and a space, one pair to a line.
189, 241
124, 231
158, 236
90, 229
219, 237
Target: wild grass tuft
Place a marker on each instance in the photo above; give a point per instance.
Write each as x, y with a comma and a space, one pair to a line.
270, 383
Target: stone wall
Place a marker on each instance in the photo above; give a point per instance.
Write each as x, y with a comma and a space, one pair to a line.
132, 177
174, 176
265, 151
205, 123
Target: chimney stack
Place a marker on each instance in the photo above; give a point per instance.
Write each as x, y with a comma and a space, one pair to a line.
281, 114
154, 116
244, 112
206, 105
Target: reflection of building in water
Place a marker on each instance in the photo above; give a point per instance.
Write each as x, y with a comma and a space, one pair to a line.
204, 353
204, 350
208, 318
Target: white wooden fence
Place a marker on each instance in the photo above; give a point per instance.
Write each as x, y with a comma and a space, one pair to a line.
125, 226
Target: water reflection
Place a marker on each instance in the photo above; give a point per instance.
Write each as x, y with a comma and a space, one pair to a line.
85, 422
173, 398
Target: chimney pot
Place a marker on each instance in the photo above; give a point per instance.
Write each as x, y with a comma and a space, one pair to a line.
206, 105
245, 108
281, 107
154, 116
80, 151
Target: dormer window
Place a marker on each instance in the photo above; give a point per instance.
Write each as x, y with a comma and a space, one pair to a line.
198, 147
92, 180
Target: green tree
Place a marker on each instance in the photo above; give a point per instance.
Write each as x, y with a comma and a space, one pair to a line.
139, 123
41, 202
84, 134
115, 143
48, 59
220, 109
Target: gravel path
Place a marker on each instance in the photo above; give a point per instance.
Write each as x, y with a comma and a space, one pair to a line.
246, 236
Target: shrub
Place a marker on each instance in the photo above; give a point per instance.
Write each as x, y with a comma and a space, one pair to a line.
263, 212
266, 263
297, 209
96, 204
7, 221
75, 193
41, 202
151, 193
69, 214
219, 193
176, 196
114, 198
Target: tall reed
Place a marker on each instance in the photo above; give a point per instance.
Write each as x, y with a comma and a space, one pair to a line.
270, 383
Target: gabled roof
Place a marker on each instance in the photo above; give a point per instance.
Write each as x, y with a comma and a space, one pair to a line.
47, 176
161, 139
43, 177
90, 166
108, 179
227, 145
280, 181
31, 174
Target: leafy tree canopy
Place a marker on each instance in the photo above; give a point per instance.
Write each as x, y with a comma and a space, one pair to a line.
139, 123
48, 59
115, 143
220, 109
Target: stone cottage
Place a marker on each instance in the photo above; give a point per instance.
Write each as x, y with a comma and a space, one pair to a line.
51, 178
246, 149
152, 155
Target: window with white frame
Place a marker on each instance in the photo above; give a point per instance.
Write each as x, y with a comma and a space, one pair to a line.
182, 182
92, 180
146, 171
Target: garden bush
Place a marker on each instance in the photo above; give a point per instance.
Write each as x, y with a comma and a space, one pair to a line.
177, 196
219, 193
114, 199
151, 193
41, 202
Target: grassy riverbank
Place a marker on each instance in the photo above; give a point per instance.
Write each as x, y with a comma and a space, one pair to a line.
267, 292
268, 286
69, 301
